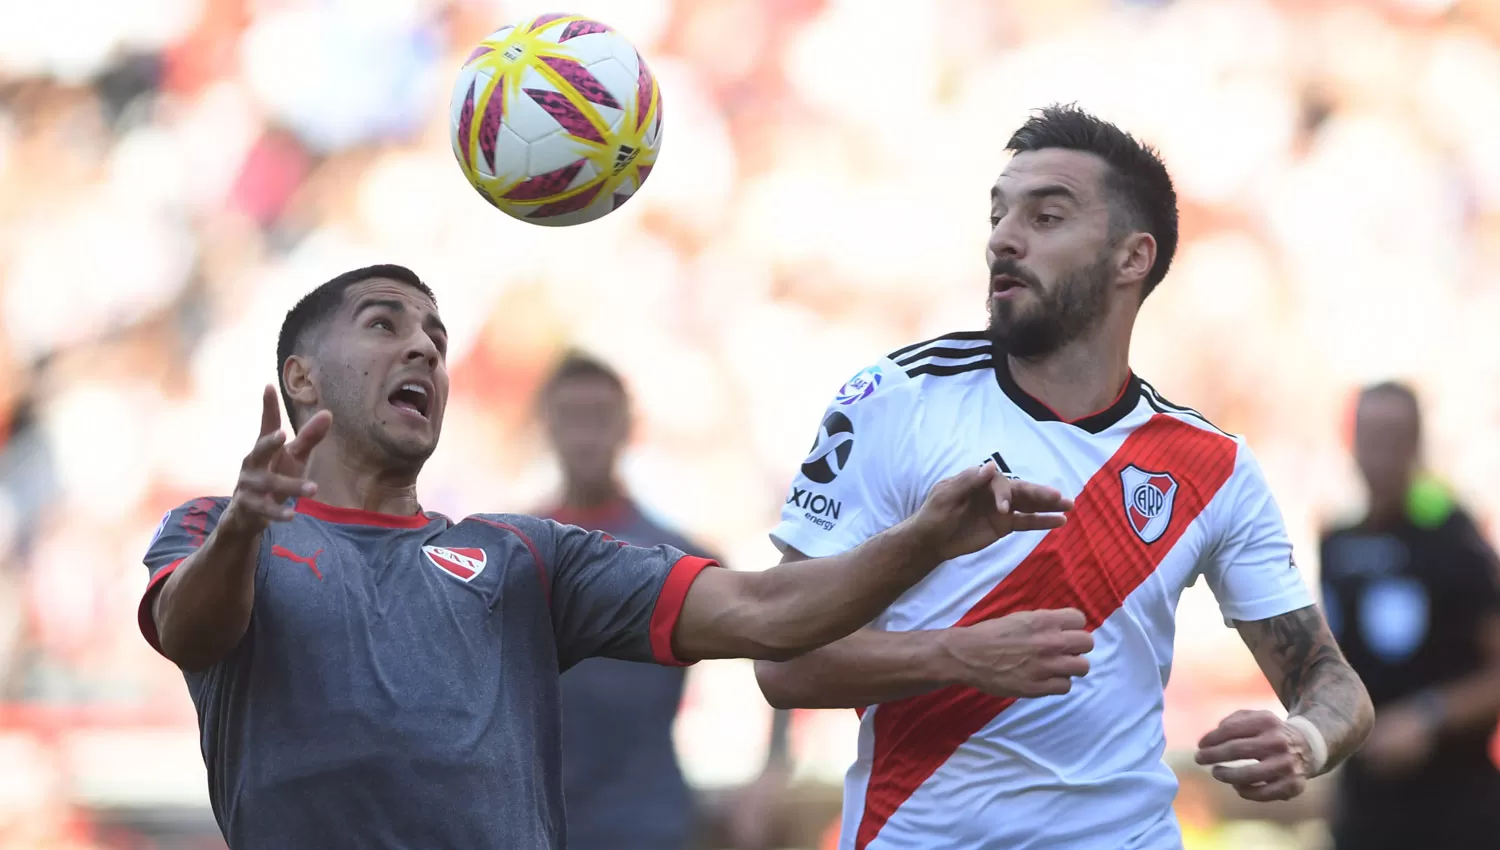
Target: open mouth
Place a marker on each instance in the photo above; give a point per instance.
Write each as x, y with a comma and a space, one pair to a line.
1004, 284
414, 397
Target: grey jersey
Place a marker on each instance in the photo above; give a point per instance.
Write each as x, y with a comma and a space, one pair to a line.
398, 684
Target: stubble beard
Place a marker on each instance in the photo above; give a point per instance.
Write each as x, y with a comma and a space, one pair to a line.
1062, 313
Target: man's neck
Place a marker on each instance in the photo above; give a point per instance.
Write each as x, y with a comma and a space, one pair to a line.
591, 497
347, 481
1385, 513
1078, 380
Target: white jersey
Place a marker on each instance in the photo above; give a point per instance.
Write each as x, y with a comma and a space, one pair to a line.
1162, 497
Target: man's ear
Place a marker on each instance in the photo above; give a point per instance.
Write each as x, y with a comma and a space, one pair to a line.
296, 378
1135, 256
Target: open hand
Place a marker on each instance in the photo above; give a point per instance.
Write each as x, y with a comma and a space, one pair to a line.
1025, 654
968, 511
1281, 755
273, 471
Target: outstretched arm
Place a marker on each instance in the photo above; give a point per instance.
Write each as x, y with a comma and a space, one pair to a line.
792, 608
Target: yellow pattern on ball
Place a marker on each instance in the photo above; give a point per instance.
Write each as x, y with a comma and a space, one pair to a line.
556, 120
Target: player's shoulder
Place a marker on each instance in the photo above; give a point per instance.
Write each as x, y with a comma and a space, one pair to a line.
194, 511
186, 526
952, 354
940, 375
1159, 404
201, 504
909, 376
510, 523
524, 528
1215, 446
541, 534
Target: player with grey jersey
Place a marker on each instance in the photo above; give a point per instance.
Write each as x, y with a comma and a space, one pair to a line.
369, 674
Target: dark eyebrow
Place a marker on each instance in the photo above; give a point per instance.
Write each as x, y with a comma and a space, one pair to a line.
431, 322
1051, 190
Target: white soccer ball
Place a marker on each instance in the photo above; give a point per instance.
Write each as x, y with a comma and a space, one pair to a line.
557, 120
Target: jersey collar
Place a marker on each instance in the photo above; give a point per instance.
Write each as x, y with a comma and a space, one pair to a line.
354, 516
1129, 397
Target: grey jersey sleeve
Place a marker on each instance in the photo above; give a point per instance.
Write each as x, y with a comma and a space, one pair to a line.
611, 599
181, 532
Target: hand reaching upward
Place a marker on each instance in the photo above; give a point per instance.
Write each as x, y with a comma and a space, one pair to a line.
273, 471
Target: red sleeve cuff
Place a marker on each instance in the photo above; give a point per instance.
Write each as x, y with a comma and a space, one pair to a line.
144, 617
669, 607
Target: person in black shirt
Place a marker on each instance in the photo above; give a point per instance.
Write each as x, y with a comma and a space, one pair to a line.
1411, 593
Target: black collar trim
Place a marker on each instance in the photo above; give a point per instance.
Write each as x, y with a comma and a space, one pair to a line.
1094, 423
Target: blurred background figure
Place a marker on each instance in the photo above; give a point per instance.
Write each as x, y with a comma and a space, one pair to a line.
174, 172
622, 783
1413, 593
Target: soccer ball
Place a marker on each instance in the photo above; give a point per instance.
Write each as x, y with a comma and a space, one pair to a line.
557, 120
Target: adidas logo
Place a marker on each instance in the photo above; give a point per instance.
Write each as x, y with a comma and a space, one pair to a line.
624, 157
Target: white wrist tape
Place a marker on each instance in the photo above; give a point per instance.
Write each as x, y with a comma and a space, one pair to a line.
1315, 743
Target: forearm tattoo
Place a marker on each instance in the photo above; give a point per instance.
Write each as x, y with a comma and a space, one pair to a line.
1310, 675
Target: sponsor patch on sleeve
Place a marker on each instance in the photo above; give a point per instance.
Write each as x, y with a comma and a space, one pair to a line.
861, 386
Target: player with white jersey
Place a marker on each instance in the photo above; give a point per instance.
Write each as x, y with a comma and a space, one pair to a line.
967, 739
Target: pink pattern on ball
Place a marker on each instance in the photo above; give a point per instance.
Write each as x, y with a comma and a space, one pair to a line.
578, 28
567, 205
478, 52
644, 84
545, 185
566, 114
489, 125
582, 81
465, 124
542, 21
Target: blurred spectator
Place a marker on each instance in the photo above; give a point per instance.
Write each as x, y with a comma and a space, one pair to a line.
1413, 592
172, 172
621, 781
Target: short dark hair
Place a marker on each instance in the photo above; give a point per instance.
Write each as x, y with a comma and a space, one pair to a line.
1137, 178
1396, 389
317, 307
577, 364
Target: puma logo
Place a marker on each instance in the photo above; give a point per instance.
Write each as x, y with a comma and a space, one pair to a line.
312, 563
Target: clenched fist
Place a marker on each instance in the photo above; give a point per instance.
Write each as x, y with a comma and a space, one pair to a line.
1282, 756
1026, 654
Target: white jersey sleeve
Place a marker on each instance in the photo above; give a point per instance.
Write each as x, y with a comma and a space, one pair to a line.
856, 481
1251, 570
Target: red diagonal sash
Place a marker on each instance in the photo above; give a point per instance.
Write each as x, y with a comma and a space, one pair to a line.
1092, 564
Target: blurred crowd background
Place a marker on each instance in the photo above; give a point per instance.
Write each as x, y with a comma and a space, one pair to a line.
175, 173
